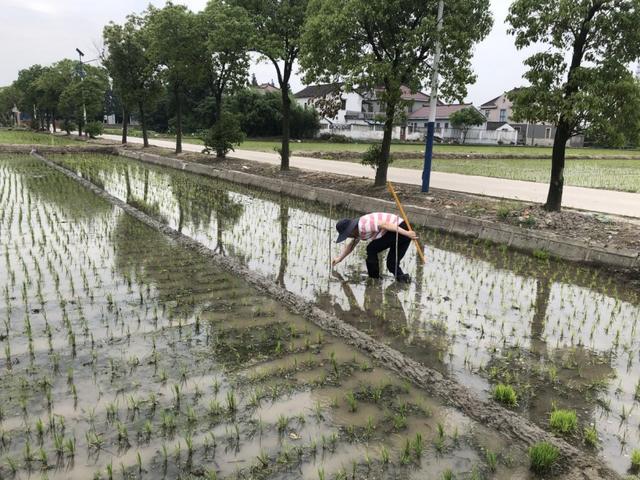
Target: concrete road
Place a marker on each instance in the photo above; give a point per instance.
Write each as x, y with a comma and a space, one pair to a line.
592, 199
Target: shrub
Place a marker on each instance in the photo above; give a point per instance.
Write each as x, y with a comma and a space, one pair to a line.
373, 155
93, 129
68, 126
635, 460
563, 421
542, 456
505, 394
223, 136
334, 138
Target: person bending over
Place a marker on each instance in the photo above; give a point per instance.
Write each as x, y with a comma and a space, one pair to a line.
381, 230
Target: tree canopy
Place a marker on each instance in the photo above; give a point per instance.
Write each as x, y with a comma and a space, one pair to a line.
132, 67
276, 35
466, 118
580, 82
381, 45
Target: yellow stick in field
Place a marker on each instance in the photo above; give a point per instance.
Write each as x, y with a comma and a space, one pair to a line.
406, 220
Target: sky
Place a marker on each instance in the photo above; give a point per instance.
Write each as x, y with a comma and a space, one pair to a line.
45, 31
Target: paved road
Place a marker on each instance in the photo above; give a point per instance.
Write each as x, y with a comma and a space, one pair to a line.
596, 200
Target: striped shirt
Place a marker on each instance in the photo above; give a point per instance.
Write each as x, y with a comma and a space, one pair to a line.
369, 225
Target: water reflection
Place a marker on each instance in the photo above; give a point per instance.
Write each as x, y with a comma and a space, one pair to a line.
476, 312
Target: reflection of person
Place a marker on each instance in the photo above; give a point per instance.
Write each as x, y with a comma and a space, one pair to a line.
384, 231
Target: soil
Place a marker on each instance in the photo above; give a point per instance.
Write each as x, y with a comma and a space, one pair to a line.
579, 464
593, 228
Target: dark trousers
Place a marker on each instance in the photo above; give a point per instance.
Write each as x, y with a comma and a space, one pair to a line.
387, 241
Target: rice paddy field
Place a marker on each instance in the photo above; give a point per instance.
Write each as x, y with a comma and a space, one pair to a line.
127, 355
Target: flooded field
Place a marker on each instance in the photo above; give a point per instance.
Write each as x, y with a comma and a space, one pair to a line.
126, 355
553, 336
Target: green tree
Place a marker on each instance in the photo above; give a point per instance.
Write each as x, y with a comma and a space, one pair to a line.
580, 82
380, 45
130, 64
9, 98
277, 31
51, 83
176, 44
465, 118
227, 48
29, 94
86, 92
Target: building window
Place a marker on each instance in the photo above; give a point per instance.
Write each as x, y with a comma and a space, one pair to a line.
438, 125
547, 133
487, 113
503, 114
343, 104
446, 125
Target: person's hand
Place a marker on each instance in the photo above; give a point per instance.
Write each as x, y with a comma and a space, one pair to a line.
334, 261
412, 235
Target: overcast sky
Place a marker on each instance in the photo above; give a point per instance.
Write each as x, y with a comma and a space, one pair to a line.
45, 31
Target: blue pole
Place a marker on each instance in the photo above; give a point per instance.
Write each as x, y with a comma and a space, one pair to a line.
428, 155
433, 105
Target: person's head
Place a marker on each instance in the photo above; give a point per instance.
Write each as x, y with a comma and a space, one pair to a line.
347, 228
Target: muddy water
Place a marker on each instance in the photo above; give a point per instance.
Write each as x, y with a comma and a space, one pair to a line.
564, 336
127, 356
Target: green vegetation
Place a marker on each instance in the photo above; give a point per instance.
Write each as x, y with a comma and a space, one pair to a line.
563, 421
25, 137
635, 460
590, 436
542, 456
505, 394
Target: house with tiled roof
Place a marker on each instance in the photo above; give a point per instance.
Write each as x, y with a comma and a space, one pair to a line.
499, 111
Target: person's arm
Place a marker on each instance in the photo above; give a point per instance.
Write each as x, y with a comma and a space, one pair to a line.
392, 227
348, 248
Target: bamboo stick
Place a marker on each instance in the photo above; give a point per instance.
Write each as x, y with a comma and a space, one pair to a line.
406, 220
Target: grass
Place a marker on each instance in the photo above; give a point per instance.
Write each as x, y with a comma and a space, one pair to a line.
318, 146
563, 421
26, 137
542, 456
635, 460
505, 394
609, 174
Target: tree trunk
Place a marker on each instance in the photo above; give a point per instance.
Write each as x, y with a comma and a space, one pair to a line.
125, 125
53, 120
80, 126
554, 198
381, 171
218, 96
178, 122
143, 124
286, 119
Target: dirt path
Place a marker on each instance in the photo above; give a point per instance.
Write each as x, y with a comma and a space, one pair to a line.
576, 463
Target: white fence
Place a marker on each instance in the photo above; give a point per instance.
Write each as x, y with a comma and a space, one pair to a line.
447, 135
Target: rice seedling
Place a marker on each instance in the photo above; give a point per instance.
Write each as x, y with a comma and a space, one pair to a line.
590, 435
505, 394
232, 405
352, 402
563, 421
492, 460
635, 461
542, 457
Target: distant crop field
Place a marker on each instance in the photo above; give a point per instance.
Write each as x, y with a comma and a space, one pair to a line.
22, 137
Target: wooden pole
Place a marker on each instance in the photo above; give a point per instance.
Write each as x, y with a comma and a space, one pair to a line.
406, 220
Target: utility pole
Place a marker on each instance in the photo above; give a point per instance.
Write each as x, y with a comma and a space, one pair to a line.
428, 150
84, 106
